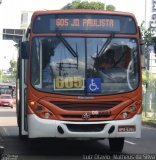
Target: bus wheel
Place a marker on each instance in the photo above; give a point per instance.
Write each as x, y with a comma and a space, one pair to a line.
116, 144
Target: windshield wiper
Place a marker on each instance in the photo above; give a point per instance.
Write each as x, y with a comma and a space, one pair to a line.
68, 46
105, 45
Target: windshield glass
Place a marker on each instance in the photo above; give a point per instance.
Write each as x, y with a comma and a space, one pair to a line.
84, 66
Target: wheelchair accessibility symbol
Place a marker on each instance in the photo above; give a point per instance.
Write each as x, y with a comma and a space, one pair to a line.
94, 85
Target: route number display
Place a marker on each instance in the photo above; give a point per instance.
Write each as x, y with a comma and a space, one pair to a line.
69, 83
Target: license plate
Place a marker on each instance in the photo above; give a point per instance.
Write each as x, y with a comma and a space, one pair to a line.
126, 128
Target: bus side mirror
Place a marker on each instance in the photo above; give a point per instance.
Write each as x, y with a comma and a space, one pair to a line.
143, 61
24, 50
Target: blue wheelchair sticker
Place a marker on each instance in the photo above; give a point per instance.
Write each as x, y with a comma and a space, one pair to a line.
94, 85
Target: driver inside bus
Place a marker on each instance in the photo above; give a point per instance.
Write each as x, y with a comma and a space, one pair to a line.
105, 61
109, 70
105, 66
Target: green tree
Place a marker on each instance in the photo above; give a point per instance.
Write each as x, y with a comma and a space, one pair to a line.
78, 4
147, 35
1, 75
13, 69
110, 8
4, 77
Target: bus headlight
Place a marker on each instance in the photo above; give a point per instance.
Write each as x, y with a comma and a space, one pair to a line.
129, 111
125, 115
40, 110
43, 112
47, 115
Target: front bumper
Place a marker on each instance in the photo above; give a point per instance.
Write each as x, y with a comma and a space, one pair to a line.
38, 127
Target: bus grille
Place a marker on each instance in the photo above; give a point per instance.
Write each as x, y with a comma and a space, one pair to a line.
85, 127
79, 106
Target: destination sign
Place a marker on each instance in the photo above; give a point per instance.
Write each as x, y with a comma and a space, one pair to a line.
83, 23
64, 23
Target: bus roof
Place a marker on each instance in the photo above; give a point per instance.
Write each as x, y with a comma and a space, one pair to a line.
83, 11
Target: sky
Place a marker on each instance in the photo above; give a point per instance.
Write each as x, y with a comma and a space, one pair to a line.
10, 17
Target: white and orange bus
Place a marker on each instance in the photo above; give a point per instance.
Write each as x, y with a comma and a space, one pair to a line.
79, 76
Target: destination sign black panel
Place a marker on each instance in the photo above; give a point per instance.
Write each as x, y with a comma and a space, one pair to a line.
84, 23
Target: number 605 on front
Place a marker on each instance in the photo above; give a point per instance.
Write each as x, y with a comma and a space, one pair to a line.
68, 83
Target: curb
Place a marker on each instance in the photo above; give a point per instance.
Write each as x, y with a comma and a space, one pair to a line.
149, 124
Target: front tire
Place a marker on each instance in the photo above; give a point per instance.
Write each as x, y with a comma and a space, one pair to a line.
116, 144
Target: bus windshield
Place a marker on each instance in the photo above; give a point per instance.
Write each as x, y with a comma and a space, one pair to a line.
85, 65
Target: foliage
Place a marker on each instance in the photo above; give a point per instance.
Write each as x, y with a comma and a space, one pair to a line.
147, 34
110, 8
10, 75
1, 75
148, 119
148, 37
144, 77
13, 69
78, 4
148, 78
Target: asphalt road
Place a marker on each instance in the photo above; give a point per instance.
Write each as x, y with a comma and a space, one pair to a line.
49, 149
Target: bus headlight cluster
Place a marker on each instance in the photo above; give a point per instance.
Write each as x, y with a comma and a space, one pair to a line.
40, 110
43, 112
129, 111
